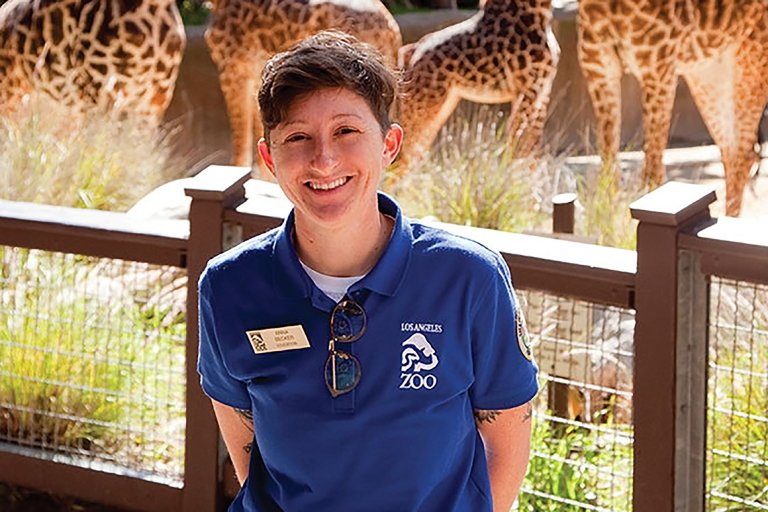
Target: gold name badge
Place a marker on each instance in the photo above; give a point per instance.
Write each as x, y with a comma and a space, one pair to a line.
291, 337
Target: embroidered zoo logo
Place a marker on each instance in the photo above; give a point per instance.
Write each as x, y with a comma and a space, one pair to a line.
418, 358
257, 341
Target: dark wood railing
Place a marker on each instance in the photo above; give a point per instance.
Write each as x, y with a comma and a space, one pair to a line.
679, 246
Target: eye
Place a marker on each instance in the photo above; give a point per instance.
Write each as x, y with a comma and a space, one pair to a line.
295, 137
344, 130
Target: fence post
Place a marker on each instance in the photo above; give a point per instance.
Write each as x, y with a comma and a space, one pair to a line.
691, 407
563, 221
662, 214
564, 213
212, 191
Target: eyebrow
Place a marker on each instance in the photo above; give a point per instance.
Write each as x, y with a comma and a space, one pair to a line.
334, 118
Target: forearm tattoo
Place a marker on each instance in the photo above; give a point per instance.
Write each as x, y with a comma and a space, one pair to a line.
528, 412
246, 417
483, 416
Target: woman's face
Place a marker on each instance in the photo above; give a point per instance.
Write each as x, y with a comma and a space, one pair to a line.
328, 155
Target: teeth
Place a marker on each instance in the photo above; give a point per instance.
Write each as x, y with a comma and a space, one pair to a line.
327, 186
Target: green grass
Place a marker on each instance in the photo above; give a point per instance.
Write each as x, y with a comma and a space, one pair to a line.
737, 416
398, 8
82, 359
572, 466
194, 12
83, 341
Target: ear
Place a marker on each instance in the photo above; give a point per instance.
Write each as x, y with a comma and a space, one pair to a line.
393, 140
266, 156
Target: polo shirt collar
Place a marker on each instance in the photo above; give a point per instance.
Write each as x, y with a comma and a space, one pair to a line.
387, 275
385, 278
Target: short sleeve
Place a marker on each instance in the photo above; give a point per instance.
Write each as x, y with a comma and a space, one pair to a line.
505, 374
215, 378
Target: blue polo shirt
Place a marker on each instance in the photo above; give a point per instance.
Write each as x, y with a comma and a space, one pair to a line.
441, 341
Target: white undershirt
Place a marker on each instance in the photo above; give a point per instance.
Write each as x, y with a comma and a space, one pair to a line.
334, 287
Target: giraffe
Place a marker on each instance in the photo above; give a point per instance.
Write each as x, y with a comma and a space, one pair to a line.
505, 53
243, 34
720, 48
119, 55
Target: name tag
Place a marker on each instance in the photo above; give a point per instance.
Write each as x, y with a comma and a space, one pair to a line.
291, 337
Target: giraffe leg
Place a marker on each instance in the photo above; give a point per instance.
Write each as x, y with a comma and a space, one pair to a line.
12, 92
730, 92
527, 128
751, 97
258, 168
658, 96
529, 112
712, 86
237, 86
602, 72
423, 111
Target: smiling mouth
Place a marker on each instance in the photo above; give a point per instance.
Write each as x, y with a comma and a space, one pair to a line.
327, 186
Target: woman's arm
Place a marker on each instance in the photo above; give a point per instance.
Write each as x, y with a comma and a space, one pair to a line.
236, 426
507, 438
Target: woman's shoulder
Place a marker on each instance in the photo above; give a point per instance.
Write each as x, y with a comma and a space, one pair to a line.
246, 254
433, 241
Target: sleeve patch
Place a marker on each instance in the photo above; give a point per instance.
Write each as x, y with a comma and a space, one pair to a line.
523, 338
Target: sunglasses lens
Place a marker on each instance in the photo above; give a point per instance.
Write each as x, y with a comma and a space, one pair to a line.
347, 372
347, 321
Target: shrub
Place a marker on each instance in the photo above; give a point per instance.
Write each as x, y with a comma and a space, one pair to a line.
474, 176
94, 162
84, 357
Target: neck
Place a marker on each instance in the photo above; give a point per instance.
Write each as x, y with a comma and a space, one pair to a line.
349, 251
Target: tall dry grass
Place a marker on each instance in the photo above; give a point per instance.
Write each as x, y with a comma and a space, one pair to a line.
48, 155
475, 176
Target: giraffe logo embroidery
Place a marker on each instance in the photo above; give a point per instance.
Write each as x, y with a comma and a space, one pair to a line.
417, 358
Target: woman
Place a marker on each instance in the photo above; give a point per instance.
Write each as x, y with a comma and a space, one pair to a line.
356, 359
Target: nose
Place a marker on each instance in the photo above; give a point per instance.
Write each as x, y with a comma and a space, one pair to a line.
324, 158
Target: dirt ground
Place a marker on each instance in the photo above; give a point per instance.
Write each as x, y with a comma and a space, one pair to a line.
702, 165
15, 499
699, 165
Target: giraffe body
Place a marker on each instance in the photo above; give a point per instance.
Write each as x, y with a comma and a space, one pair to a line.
244, 34
119, 55
506, 53
720, 48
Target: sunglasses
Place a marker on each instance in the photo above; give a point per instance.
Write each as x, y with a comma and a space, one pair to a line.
342, 369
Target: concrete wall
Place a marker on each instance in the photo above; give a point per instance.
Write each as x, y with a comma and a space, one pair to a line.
198, 110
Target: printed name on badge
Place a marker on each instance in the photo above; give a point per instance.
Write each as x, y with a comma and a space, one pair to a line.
291, 337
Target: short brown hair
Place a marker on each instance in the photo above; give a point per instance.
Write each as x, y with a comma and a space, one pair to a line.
326, 59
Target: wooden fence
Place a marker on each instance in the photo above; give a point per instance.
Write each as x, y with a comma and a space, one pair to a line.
666, 284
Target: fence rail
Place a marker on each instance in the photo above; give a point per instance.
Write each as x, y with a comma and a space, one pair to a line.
93, 233
68, 280
627, 343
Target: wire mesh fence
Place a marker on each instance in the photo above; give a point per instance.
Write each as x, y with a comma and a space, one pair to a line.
737, 399
92, 362
582, 447
581, 454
